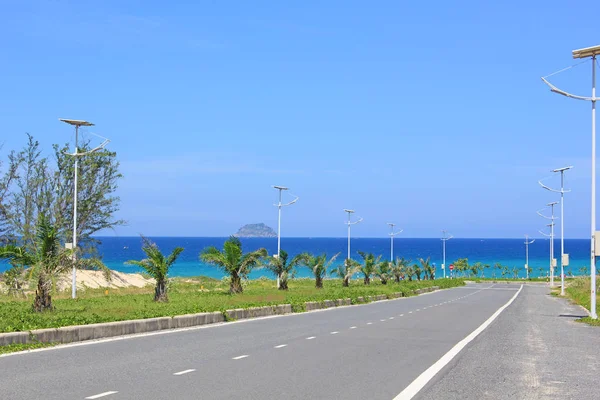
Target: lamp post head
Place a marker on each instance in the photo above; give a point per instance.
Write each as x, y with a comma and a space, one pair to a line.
280, 187
552, 204
586, 52
562, 169
76, 122
348, 211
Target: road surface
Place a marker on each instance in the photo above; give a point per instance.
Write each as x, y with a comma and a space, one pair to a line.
372, 351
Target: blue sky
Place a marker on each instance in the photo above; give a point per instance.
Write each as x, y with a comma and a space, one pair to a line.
428, 114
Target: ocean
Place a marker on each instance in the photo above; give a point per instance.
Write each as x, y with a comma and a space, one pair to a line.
116, 251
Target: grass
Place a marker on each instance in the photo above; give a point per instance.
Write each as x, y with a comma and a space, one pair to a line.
12, 348
187, 296
578, 291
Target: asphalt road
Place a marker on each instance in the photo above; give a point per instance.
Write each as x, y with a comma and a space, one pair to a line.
372, 351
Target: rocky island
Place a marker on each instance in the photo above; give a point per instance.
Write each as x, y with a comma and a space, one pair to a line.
255, 230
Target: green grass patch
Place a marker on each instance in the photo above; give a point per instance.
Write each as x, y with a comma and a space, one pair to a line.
578, 291
187, 296
12, 348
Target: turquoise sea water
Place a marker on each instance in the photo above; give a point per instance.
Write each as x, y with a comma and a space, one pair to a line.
116, 250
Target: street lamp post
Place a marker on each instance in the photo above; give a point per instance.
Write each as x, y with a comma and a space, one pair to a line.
445, 238
589, 52
350, 212
77, 123
562, 192
392, 234
279, 205
527, 243
551, 225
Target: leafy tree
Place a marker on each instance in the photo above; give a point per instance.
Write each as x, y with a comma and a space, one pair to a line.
427, 268
46, 258
529, 271
281, 268
318, 265
368, 266
383, 270
399, 268
570, 272
409, 271
461, 266
157, 266
541, 269
417, 271
345, 270
38, 188
233, 261
505, 271
582, 270
515, 272
497, 266
15, 281
483, 268
475, 268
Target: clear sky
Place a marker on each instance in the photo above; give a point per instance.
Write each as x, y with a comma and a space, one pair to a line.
428, 114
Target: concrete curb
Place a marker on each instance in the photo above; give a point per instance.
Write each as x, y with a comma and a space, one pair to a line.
79, 333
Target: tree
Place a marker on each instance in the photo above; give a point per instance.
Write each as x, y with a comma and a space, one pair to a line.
345, 270
475, 268
46, 258
368, 266
281, 268
318, 265
233, 261
383, 270
461, 266
409, 272
515, 272
582, 270
497, 266
427, 268
505, 271
399, 268
529, 271
417, 271
157, 266
483, 268
37, 188
6, 179
541, 269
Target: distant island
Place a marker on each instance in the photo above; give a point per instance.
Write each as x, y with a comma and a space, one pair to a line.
255, 230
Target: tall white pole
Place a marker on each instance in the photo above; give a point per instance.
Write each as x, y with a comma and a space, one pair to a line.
392, 243
74, 281
562, 232
552, 249
279, 235
527, 256
349, 236
444, 254
594, 315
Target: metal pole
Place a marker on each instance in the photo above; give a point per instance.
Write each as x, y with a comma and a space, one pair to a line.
562, 233
279, 236
392, 244
594, 315
74, 282
527, 256
552, 249
348, 237
444, 253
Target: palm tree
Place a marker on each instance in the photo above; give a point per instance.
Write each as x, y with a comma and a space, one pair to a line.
233, 261
383, 270
281, 268
498, 267
409, 271
417, 271
157, 266
483, 268
399, 268
345, 270
47, 259
318, 265
368, 266
427, 268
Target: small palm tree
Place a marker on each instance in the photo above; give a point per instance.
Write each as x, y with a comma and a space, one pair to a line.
427, 268
417, 271
233, 261
515, 272
383, 270
409, 272
399, 268
318, 265
346, 270
498, 267
47, 259
281, 268
368, 266
157, 266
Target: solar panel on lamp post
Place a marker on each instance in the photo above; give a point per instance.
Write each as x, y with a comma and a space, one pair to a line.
77, 123
279, 205
588, 52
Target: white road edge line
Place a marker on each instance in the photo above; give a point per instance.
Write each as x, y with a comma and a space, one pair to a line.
334, 332
97, 396
280, 346
401, 315
369, 323
391, 318
411, 390
187, 371
310, 337
352, 327
240, 357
